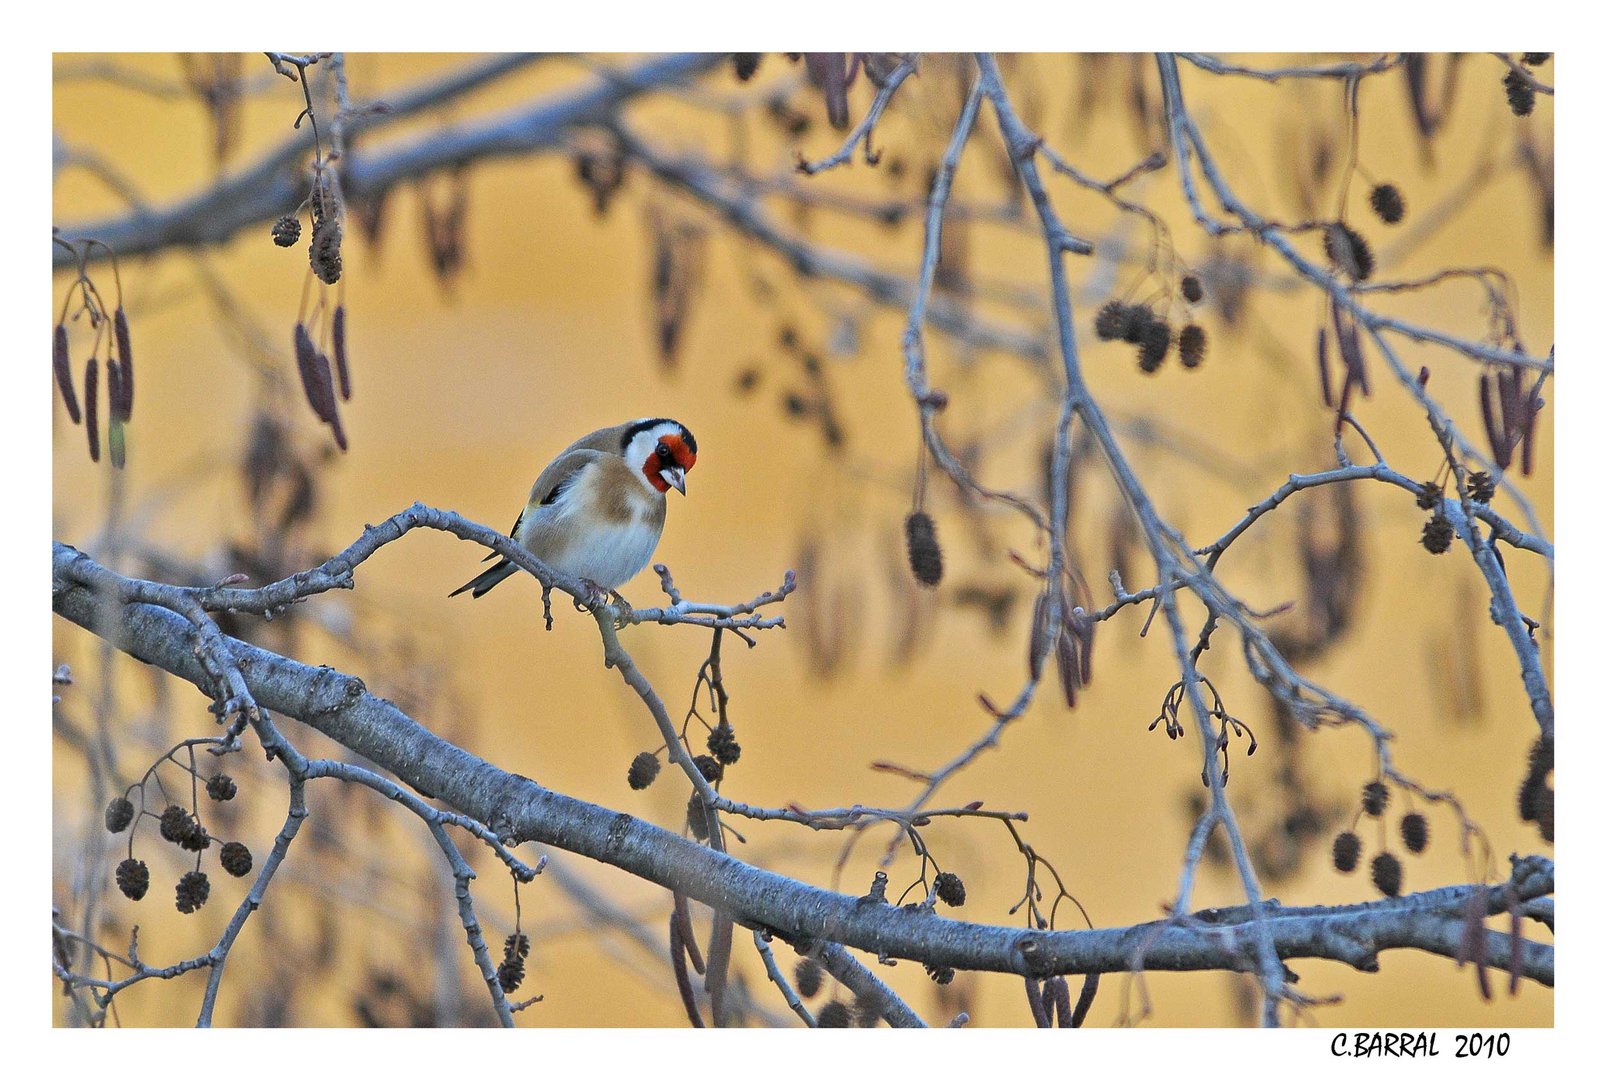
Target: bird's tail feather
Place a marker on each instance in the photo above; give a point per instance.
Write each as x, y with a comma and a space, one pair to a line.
488, 580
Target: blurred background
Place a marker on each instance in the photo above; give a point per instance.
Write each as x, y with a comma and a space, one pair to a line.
499, 310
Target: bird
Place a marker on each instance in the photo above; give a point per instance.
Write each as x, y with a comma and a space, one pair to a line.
597, 511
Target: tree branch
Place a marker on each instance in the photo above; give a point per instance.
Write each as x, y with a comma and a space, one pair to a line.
339, 706
278, 181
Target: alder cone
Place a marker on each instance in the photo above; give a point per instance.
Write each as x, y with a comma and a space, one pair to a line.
925, 556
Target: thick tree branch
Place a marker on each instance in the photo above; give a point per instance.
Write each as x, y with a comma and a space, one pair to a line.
339, 706
277, 182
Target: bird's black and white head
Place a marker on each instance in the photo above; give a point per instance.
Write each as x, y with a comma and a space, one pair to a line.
661, 450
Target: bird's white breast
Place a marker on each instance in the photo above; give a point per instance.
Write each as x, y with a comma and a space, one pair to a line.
611, 554
587, 533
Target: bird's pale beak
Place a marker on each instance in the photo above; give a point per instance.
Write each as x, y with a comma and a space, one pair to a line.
675, 477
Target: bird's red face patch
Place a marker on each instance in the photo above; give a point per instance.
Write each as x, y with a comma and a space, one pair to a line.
671, 453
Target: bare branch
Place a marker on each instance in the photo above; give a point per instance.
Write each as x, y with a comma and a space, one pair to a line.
277, 182
861, 134
520, 810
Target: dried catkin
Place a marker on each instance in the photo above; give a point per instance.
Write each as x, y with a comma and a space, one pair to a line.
91, 407
1348, 250
925, 556
318, 391
1191, 345
63, 365
338, 334
1388, 204
124, 409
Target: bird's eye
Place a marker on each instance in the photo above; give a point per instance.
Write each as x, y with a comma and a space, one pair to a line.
663, 452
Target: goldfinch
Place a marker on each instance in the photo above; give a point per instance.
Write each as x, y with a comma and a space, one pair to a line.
597, 511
